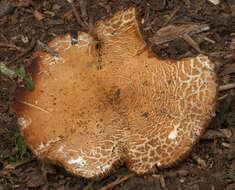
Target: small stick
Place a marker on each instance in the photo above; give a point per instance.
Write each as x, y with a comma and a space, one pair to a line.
170, 17
199, 160
18, 164
34, 106
91, 25
12, 46
162, 182
191, 42
89, 185
222, 97
227, 86
31, 46
117, 181
169, 33
83, 7
79, 21
209, 40
46, 48
229, 56
6, 71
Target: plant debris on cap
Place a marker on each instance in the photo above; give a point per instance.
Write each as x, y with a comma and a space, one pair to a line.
107, 102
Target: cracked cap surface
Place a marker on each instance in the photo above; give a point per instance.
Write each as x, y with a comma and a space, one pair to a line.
98, 106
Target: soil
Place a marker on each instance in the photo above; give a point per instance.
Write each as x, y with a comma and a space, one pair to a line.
211, 165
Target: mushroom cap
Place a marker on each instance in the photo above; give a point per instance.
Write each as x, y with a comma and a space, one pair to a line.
97, 106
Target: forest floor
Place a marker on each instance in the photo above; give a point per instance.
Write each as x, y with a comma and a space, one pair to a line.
210, 166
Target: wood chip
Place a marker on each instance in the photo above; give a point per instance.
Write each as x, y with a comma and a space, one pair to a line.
77, 16
5, 7
228, 69
83, 7
199, 160
226, 145
227, 86
12, 46
215, 2
171, 16
170, 32
117, 181
31, 46
227, 133
39, 16
162, 181
46, 48
56, 7
191, 42
212, 134
232, 44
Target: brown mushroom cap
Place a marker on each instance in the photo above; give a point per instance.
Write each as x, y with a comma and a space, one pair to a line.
99, 105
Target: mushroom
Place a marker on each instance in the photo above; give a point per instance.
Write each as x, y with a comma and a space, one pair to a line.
101, 103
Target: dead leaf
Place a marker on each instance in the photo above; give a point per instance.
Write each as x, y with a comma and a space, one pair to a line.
39, 16
36, 180
230, 68
5, 7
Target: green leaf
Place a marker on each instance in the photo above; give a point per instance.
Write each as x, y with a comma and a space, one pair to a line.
20, 72
30, 84
48, 6
12, 159
20, 144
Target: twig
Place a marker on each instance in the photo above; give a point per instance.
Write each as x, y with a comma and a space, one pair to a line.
18, 164
162, 181
222, 97
3, 37
91, 25
12, 46
6, 71
79, 21
83, 7
212, 134
170, 17
31, 46
227, 86
199, 160
117, 181
46, 48
34, 106
229, 56
209, 40
191, 42
89, 185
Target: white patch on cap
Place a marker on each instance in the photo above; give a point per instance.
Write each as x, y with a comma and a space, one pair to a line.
83, 37
60, 149
106, 167
23, 122
79, 161
103, 168
49, 143
173, 134
158, 163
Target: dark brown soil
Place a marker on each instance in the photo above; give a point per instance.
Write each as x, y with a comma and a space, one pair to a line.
211, 166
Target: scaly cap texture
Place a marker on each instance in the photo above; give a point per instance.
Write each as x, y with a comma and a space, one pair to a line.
97, 106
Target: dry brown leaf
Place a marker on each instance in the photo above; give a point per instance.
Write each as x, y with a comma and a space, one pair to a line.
39, 16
